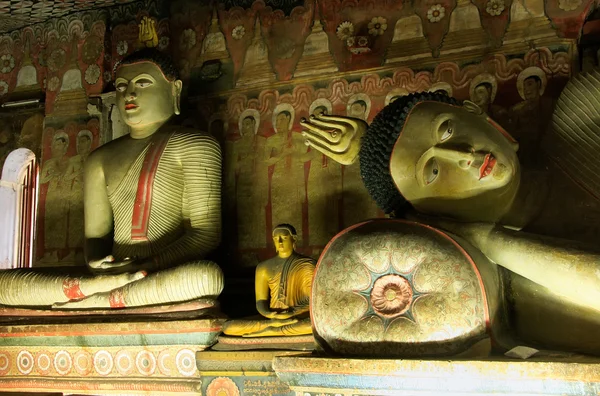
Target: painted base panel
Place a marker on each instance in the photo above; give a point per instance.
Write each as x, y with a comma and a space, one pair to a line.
311, 376
241, 373
105, 358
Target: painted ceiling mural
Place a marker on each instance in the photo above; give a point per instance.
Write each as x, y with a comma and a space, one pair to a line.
16, 14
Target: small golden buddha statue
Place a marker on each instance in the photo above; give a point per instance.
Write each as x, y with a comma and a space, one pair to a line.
448, 160
152, 202
283, 286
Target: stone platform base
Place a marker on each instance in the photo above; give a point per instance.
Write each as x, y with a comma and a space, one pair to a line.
294, 343
241, 373
98, 358
549, 375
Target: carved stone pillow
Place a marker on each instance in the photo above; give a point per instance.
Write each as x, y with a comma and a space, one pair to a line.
398, 288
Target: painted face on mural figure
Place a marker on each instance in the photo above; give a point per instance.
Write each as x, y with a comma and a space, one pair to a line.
451, 161
84, 145
319, 110
282, 122
248, 126
358, 109
531, 88
145, 97
284, 241
59, 147
5, 136
216, 128
482, 95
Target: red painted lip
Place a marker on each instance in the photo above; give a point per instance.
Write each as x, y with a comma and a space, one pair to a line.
488, 166
130, 106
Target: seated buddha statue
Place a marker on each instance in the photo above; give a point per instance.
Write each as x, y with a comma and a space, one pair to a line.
151, 204
282, 287
447, 164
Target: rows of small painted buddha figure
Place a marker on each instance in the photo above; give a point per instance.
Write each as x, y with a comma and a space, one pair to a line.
152, 205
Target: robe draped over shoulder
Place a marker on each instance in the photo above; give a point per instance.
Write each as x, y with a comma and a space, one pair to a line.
291, 287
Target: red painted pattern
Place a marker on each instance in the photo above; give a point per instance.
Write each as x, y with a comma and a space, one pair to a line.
72, 290
143, 198
116, 299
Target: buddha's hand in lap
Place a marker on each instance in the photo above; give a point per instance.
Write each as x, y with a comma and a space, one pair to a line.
284, 315
337, 137
110, 264
282, 322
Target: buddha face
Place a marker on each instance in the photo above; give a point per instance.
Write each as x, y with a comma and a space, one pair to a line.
482, 96
282, 122
59, 148
531, 88
5, 136
453, 162
145, 97
248, 125
84, 144
284, 242
358, 109
319, 110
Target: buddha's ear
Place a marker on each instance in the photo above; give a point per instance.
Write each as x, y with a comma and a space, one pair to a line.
472, 107
177, 87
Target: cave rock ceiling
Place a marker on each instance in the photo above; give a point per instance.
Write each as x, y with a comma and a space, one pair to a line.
15, 14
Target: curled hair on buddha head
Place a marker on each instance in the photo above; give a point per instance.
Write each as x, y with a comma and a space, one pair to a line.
288, 227
377, 146
160, 59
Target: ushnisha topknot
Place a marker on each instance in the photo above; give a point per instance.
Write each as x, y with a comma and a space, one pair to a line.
153, 55
290, 228
377, 145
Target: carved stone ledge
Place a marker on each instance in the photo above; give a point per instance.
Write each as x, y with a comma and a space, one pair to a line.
545, 375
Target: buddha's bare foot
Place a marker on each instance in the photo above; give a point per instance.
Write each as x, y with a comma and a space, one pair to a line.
104, 283
94, 301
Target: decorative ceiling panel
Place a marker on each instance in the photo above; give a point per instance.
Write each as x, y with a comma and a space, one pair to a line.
15, 14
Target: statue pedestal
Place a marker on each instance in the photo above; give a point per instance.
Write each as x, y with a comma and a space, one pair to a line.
135, 355
242, 373
550, 375
294, 343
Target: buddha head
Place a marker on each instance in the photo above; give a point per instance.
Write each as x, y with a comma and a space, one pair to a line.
319, 110
482, 95
531, 87
248, 126
358, 109
84, 142
60, 143
148, 89
282, 121
448, 159
531, 83
284, 239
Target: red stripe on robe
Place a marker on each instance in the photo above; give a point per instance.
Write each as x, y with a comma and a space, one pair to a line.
143, 197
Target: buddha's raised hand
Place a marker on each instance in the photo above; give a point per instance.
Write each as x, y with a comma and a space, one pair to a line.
335, 136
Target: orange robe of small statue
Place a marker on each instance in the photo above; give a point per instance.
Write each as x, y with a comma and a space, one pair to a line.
283, 287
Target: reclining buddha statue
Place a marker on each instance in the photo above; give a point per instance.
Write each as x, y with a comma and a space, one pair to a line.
468, 268
151, 204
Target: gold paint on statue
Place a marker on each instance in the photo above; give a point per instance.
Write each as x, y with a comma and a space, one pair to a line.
282, 286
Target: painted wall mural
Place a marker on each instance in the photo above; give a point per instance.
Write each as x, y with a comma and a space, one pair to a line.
60, 232
271, 177
252, 70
